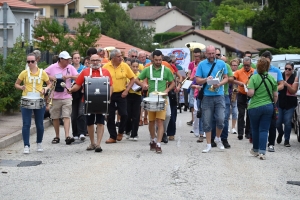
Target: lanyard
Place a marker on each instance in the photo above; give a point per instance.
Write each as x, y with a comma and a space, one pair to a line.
156, 79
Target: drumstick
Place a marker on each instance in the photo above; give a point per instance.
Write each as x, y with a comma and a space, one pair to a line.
63, 84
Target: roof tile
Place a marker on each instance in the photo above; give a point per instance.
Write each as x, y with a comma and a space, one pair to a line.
18, 4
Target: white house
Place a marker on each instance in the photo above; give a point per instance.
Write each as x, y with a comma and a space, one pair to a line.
21, 17
162, 18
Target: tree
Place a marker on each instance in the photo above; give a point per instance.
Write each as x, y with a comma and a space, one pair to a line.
116, 23
206, 11
236, 17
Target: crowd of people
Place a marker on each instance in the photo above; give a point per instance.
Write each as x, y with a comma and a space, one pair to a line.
259, 98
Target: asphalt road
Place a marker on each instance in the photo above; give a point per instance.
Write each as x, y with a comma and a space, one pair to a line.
129, 170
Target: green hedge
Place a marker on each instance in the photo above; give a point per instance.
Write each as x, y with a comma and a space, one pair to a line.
162, 37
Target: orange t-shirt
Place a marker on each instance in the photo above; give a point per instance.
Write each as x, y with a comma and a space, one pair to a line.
243, 76
104, 60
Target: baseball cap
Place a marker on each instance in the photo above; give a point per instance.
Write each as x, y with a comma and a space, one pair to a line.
64, 55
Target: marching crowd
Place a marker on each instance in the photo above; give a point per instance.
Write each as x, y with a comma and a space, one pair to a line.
260, 98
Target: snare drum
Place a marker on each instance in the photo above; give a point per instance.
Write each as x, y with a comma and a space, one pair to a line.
96, 94
30, 102
154, 104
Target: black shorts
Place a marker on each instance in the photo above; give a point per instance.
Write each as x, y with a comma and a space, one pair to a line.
94, 119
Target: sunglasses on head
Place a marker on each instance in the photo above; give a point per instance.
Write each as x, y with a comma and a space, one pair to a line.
30, 61
290, 69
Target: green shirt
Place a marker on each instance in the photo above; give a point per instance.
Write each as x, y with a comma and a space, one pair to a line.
252, 65
261, 96
229, 73
162, 85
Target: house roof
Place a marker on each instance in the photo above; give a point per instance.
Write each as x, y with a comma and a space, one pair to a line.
18, 4
52, 2
179, 28
105, 41
233, 40
72, 22
149, 13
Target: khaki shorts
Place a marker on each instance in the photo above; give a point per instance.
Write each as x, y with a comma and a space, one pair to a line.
158, 114
61, 108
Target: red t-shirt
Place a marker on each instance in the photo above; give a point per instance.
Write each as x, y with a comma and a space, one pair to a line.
95, 73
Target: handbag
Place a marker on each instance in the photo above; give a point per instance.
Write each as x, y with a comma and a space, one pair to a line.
275, 109
58, 87
201, 93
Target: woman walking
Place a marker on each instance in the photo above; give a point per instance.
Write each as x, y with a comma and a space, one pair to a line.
262, 89
32, 100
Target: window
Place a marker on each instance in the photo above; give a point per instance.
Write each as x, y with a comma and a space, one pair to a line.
42, 11
90, 11
55, 12
71, 11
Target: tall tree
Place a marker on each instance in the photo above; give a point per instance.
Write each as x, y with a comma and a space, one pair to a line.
116, 23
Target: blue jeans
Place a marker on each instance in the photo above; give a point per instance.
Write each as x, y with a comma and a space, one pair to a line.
260, 119
285, 117
213, 107
39, 123
224, 134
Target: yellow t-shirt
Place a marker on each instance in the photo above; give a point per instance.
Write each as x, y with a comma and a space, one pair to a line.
141, 67
23, 76
131, 90
119, 75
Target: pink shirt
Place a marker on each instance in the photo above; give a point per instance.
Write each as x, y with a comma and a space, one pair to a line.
56, 70
193, 73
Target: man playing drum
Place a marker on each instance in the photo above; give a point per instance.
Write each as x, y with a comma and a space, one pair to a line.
94, 70
157, 76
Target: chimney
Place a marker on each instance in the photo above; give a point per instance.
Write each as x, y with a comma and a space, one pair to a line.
227, 27
249, 31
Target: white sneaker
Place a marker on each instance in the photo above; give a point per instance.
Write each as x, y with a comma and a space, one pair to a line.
219, 144
233, 131
76, 138
39, 147
204, 135
254, 153
262, 156
196, 134
82, 137
26, 150
135, 139
206, 150
127, 135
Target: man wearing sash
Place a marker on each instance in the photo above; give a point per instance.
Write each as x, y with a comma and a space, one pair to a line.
157, 76
94, 70
119, 72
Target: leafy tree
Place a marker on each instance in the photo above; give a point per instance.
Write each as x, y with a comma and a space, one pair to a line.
116, 23
236, 17
206, 11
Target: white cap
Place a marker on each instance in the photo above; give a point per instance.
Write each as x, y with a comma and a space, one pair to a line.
64, 55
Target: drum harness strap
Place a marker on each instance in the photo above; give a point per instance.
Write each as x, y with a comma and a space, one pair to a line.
157, 79
34, 78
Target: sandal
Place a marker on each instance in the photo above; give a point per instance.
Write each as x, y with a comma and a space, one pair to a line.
55, 140
98, 149
69, 140
91, 147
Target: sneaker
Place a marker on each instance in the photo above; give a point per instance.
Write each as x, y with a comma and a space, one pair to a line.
233, 131
98, 149
127, 135
39, 147
191, 131
152, 146
135, 139
271, 148
287, 143
75, 137
26, 150
158, 149
226, 144
204, 135
200, 139
196, 134
165, 138
82, 137
206, 150
219, 144
262, 156
190, 123
253, 153
240, 137
130, 138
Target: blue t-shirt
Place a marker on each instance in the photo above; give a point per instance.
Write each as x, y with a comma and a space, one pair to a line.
203, 70
274, 70
146, 62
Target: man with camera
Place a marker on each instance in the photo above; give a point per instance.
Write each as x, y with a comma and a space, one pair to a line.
213, 100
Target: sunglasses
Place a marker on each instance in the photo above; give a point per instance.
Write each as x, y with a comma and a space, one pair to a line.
218, 54
133, 56
290, 69
247, 65
30, 61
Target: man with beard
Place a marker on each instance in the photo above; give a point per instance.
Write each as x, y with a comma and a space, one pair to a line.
94, 70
